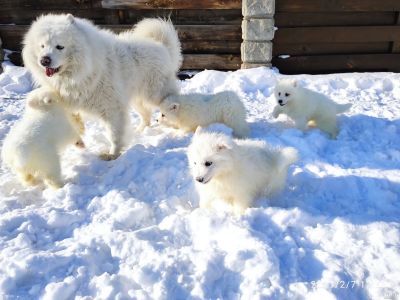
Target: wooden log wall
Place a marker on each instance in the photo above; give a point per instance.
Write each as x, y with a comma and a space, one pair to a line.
210, 30
325, 36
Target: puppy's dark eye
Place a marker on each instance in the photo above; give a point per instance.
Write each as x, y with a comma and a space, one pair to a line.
42, 46
287, 94
59, 47
279, 93
162, 116
208, 163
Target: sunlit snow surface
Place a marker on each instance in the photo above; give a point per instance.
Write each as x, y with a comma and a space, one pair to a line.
131, 228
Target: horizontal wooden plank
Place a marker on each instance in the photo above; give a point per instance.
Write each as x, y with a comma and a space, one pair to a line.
12, 34
337, 63
338, 34
211, 62
336, 5
25, 16
173, 4
341, 48
47, 4
334, 19
190, 61
206, 47
186, 16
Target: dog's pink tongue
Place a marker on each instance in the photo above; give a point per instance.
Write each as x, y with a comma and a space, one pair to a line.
50, 72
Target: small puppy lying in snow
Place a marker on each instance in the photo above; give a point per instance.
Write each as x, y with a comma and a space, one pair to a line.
236, 171
186, 112
304, 106
32, 147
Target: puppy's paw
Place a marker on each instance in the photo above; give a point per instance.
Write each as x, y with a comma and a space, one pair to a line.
108, 156
40, 98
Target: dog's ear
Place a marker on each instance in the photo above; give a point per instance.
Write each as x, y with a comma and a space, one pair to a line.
199, 129
71, 18
174, 106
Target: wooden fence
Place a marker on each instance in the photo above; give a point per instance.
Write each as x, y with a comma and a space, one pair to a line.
210, 30
313, 36
325, 36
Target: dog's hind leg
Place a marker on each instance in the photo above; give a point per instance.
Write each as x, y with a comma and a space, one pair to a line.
328, 125
115, 122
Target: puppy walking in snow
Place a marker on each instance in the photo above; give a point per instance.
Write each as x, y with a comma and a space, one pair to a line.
236, 171
304, 106
187, 112
33, 146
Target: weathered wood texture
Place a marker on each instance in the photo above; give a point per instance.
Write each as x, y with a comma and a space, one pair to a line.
210, 31
173, 4
323, 36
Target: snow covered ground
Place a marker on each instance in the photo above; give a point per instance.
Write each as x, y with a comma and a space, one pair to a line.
131, 228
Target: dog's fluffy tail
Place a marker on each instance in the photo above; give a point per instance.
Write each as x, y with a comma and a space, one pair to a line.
164, 32
341, 108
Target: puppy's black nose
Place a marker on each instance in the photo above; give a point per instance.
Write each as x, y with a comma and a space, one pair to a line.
45, 61
200, 179
280, 101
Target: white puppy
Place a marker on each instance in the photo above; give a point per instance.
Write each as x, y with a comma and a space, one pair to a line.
32, 147
303, 106
236, 171
189, 111
101, 73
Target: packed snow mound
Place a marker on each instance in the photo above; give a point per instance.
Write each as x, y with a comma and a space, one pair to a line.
131, 228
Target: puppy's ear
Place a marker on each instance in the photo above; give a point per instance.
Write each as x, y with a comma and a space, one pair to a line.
71, 18
174, 106
199, 129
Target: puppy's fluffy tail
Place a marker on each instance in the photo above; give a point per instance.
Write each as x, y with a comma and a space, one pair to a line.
341, 108
164, 32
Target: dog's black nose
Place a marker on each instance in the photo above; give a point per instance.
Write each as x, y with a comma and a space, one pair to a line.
200, 179
280, 101
45, 61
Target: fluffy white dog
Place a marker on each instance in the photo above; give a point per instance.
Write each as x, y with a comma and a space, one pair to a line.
101, 73
303, 106
189, 111
32, 147
236, 171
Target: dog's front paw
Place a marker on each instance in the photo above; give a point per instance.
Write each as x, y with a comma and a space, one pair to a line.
108, 156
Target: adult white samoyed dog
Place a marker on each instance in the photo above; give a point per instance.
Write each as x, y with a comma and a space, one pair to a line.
236, 171
100, 73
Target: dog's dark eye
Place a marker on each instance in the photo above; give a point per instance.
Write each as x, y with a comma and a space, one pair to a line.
162, 116
287, 94
208, 163
279, 94
59, 47
42, 46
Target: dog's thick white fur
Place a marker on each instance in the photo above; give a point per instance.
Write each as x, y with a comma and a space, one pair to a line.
101, 73
303, 106
32, 147
236, 171
189, 111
